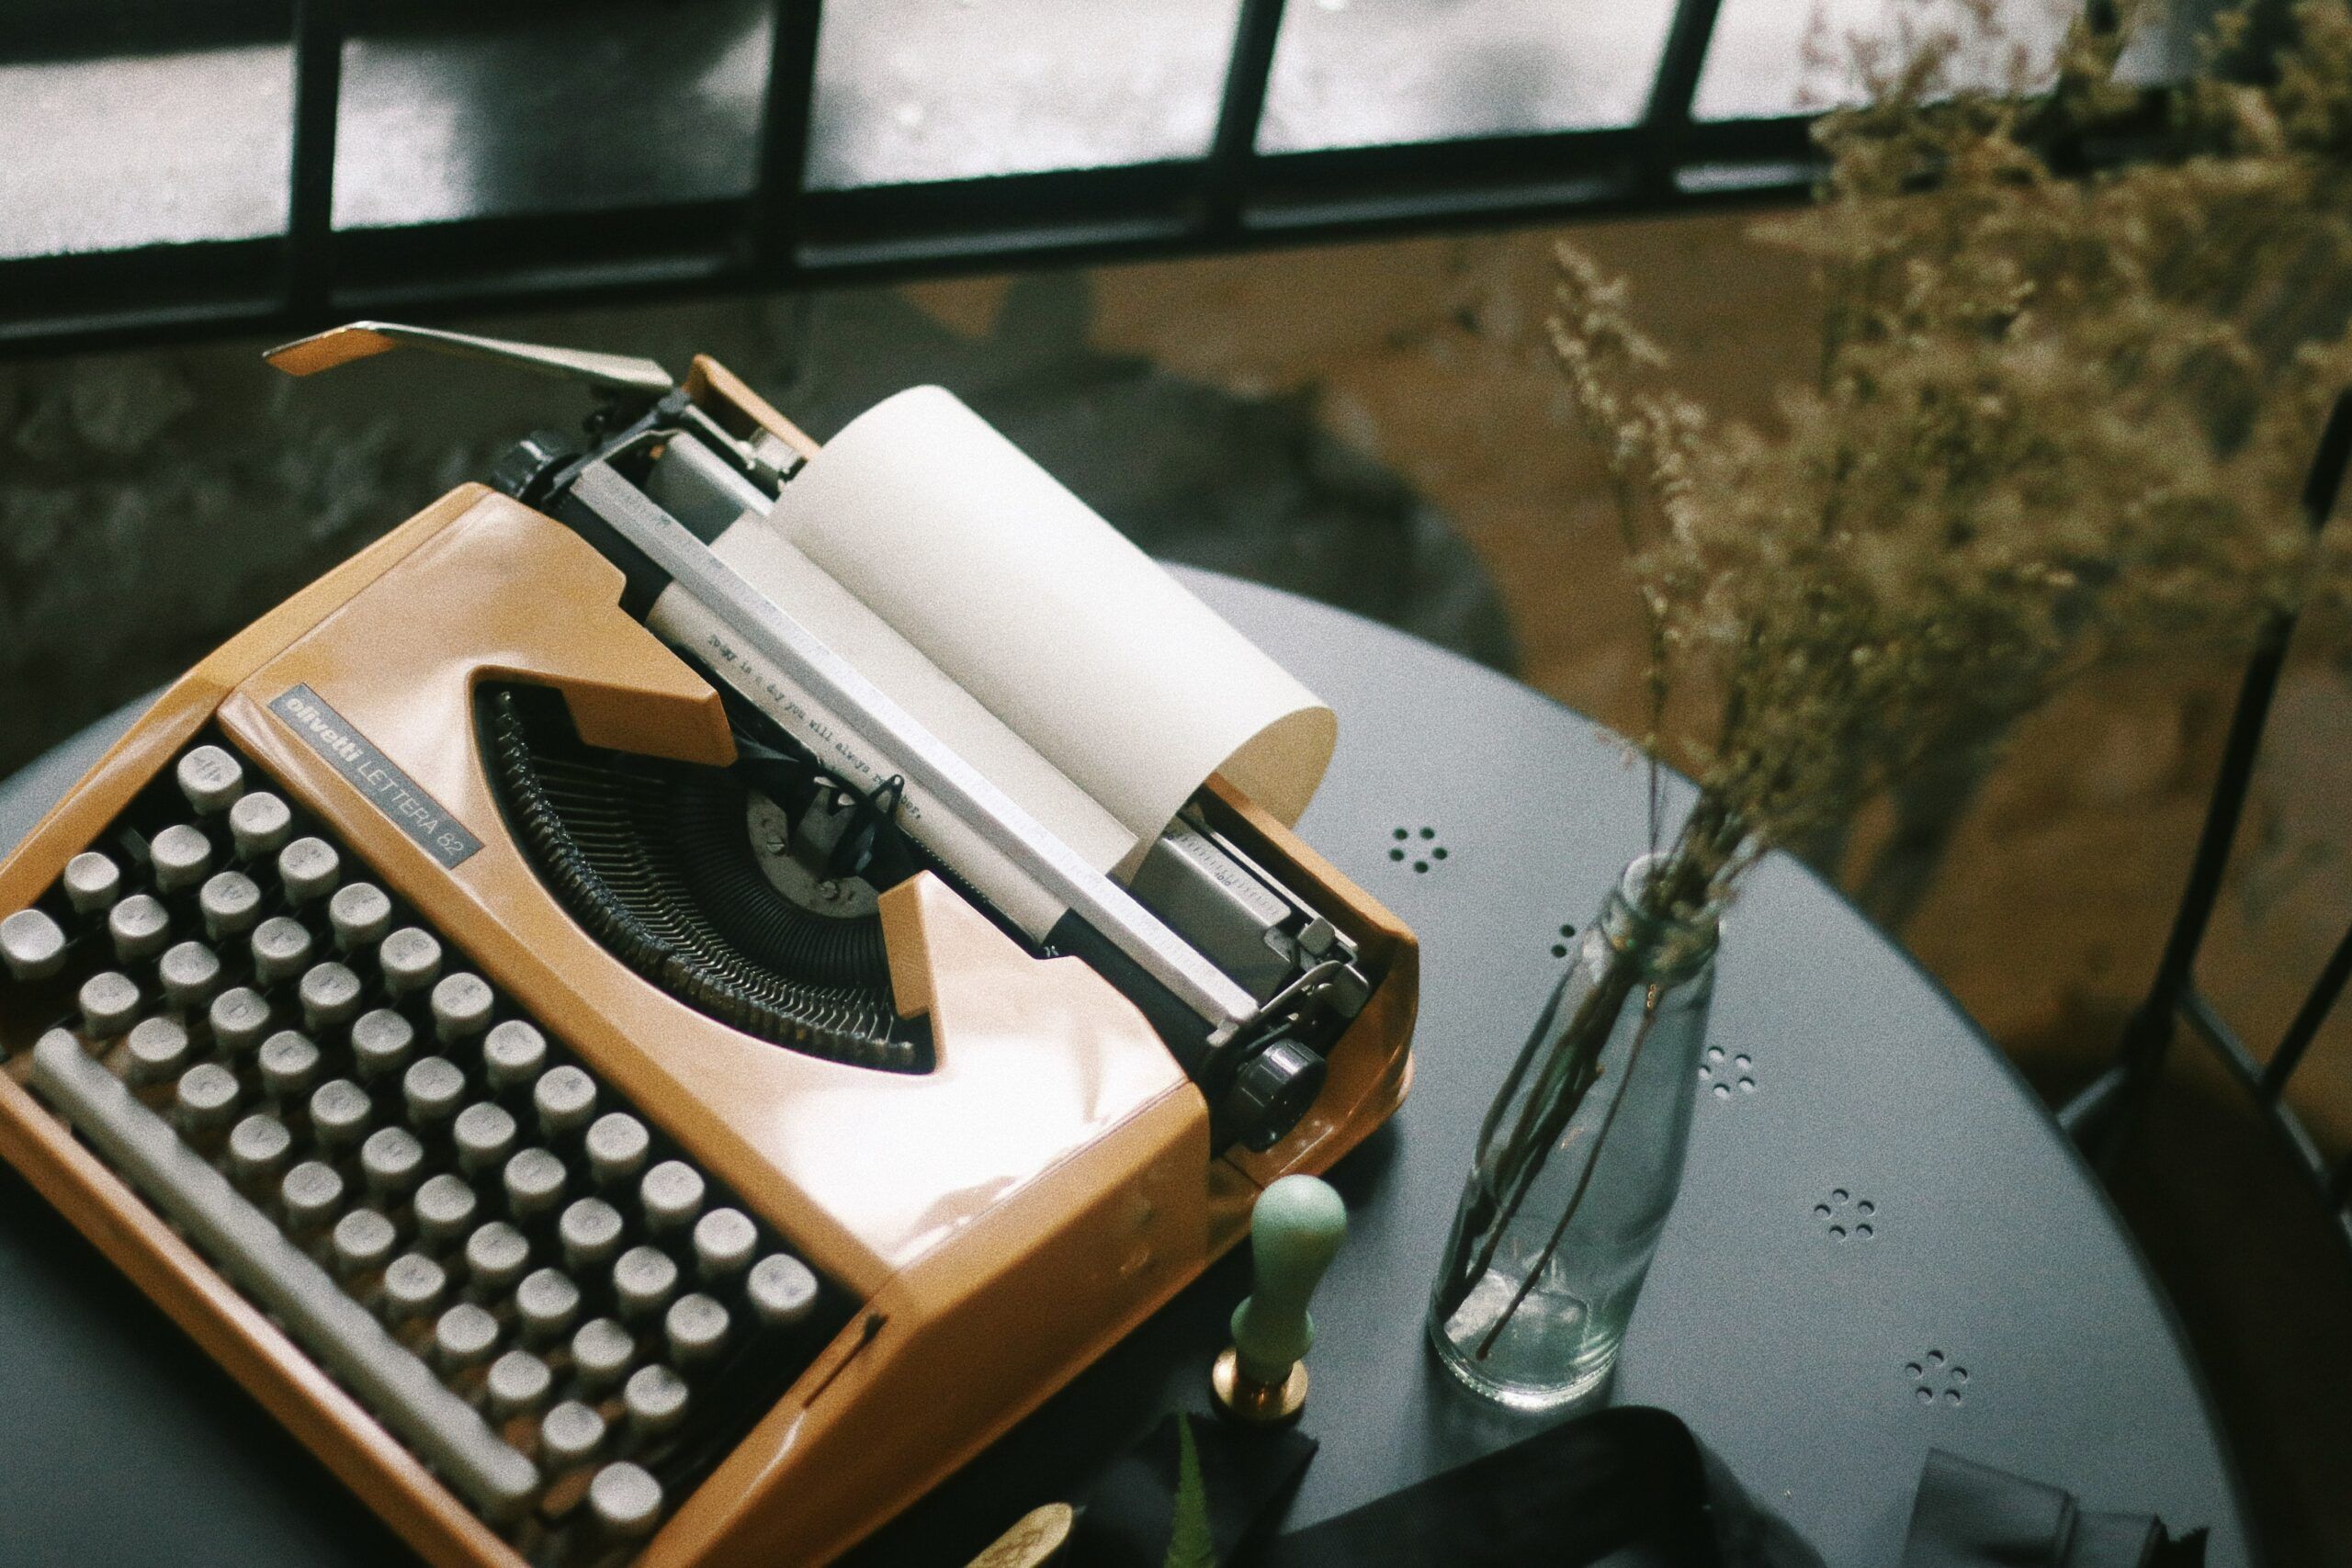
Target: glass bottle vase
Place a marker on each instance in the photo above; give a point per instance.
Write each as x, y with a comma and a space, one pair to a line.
1578, 1161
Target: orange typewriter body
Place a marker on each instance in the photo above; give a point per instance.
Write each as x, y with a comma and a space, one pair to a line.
983, 1229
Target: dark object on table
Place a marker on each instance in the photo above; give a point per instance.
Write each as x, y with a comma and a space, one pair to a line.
1131, 1512
1972, 1515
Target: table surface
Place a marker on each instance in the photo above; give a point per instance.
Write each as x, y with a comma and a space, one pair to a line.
1993, 1264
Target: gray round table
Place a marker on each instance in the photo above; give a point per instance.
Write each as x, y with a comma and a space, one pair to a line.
1786, 1340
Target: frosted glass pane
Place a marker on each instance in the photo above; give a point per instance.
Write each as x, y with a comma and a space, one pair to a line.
1773, 58
1374, 72
911, 90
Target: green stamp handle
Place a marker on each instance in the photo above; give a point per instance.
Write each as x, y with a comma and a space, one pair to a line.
1293, 1232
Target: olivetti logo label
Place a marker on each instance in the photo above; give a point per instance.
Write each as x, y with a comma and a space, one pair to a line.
395, 795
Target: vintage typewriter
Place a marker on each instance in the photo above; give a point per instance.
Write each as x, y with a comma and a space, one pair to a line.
608, 1077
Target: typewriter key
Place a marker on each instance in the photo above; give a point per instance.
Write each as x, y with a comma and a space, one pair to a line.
515, 1053
310, 868
205, 1100
571, 1434
109, 1001
411, 958
643, 1280
330, 995
780, 1290
464, 1336
158, 1050
724, 1242
625, 1499
389, 1162
591, 1232
433, 1089
519, 1384
414, 1284
281, 949
238, 1017
617, 1143
671, 1195
534, 1183
259, 822
564, 1097
230, 903
311, 1192
496, 1255
461, 1008
32, 945
363, 1242
381, 1041
445, 1209
339, 1112
289, 1065
656, 1399
210, 778
189, 970
181, 857
140, 926
547, 1302
484, 1135
695, 1326
601, 1353
92, 883
360, 914
258, 1146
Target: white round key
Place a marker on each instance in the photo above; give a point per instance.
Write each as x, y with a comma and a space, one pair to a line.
230, 903
534, 1182
363, 1240
643, 1280
724, 1242
461, 1008
410, 957
258, 1146
600, 1352
181, 856
591, 1232
311, 1192
239, 1017
519, 1382
515, 1053
329, 996
380, 1043
546, 1301
780, 1290
656, 1400
625, 1499
281, 949
188, 970
617, 1144
310, 868
109, 1001
695, 1326
92, 883
140, 927
672, 1194
259, 822
210, 778
484, 1135
565, 1098
339, 1112
158, 1048
32, 945
413, 1283
207, 1097
464, 1336
569, 1435
496, 1255
360, 914
445, 1209
390, 1161
289, 1065
435, 1087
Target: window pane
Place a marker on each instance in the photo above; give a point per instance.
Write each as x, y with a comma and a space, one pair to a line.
1373, 72
107, 155
591, 106
1773, 58
912, 90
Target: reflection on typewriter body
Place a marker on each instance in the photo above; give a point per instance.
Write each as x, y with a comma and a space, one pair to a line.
436, 1005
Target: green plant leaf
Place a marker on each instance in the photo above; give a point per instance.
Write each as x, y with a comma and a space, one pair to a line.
1190, 1544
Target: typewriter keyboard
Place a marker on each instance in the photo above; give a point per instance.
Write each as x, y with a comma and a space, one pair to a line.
525, 1283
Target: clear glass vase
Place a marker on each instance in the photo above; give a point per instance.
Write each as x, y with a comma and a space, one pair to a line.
1578, 1161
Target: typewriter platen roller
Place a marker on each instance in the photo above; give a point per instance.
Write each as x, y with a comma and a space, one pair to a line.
601, 1126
